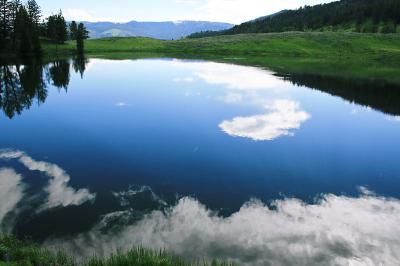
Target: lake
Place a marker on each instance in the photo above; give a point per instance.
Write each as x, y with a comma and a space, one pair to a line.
190, 155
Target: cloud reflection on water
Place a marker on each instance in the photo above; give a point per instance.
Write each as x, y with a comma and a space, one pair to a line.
335, 230
257, 88
11, 192
58, 189
283, 117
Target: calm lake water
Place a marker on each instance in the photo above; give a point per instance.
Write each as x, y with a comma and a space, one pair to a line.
90, 144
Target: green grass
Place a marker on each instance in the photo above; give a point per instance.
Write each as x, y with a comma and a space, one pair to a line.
20, 253
374, 56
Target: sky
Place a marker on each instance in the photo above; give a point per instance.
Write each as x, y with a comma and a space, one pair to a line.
232, 11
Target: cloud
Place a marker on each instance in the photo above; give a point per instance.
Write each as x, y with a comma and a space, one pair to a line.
285, 116
237, 11
11, 191
71, 14
254, 87
335, 230
394, 118
126, 196
184, 79
58, 189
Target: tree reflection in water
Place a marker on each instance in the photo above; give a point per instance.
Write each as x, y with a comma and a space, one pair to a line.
26, 82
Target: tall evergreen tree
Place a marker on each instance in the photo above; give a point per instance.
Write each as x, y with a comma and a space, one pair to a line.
5, 22
73, 30
35, 15
57, 28
15, 5
62, 31
81, 36
34, 12
23, 32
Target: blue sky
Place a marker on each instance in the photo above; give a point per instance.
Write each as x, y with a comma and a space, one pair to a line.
233, 11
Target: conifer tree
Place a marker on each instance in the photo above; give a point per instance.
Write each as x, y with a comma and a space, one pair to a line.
5, 22
15, 5
34, 12
73, 30
81, 36
22, 31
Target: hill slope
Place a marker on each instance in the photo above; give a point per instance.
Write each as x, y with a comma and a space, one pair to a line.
158, 30
348, 15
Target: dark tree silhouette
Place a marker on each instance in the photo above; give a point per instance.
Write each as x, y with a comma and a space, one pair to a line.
81, 36
15, 5
59, 73
5, 22
79, 64
34, 12
73, 30
24, 84
57, 28
19, 87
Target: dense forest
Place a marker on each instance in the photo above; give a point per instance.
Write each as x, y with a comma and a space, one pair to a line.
22, 28
347, 15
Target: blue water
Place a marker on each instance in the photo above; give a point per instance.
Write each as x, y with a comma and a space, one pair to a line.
220, 133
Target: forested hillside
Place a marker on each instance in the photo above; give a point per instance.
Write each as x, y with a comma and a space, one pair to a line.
346, 15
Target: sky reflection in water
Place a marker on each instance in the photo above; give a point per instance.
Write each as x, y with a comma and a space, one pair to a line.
95, 145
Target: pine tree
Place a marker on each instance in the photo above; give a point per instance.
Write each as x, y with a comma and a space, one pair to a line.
61, 29
34, 12
81, 36
5, 22
23, 31
73, 30
57, 28
15, 5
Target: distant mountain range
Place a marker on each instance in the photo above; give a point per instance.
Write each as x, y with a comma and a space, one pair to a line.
159, 30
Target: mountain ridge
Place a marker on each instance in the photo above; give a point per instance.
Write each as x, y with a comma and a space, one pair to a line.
165, 30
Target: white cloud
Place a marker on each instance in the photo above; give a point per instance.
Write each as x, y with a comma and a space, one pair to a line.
58, 189
11, 191
184, 79
233, 11
284, 117
71, 14
393, 118
237, 11
336, 230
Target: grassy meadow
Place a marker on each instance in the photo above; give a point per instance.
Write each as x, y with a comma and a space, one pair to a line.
19, 253
351, 55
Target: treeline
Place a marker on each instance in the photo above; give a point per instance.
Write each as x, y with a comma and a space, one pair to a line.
22, 28
368, 16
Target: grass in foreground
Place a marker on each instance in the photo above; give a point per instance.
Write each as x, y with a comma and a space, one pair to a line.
375, 56
16, 252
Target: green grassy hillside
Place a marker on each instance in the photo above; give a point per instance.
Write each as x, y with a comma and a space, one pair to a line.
375, 56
